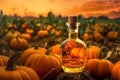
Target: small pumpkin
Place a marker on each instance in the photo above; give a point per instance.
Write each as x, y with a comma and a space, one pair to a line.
115, 71
42, 33
32, 50
24, 25
112, 35
87, 36
13, 72
99, 68
26, 36
43, 63
3, 60
98, 37
18, 43
10, 35
29, 31
58, 32
99, 28
48, 27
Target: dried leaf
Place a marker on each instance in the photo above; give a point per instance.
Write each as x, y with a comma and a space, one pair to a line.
109, 54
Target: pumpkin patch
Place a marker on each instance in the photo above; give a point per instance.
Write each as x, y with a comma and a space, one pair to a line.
39, 40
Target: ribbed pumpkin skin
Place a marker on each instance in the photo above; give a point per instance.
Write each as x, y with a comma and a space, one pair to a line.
18, 43
116, 71
3, 60
55, 49
21, 73
43, 63
99, 68
10, 35
28, 52
112, 35
93, 52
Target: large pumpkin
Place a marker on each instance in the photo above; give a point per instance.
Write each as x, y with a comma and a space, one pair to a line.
3, 60
13, 72
32, 50
99, 68
43, 63
116, 71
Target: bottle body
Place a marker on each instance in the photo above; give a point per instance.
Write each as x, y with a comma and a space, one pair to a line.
73, 51
73, 55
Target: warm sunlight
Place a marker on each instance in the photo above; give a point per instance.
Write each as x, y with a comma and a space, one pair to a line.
110, 8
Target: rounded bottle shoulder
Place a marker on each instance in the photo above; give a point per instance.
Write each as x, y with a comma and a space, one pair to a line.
72, 42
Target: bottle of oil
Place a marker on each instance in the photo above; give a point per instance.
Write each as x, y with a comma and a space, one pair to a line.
73, 49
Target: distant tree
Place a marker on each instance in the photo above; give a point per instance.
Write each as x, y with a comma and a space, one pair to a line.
1, 12
40, 18
102, 17
50, 17
80, 17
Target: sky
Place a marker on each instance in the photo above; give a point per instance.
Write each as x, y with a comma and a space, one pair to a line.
110, 8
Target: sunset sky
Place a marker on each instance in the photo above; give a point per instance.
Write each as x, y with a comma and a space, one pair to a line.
110, 8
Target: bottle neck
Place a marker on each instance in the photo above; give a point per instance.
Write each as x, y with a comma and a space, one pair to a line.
73, 31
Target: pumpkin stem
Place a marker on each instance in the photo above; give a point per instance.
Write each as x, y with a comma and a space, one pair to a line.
48, 51
36, 47
12, 61
18, 38
12, 30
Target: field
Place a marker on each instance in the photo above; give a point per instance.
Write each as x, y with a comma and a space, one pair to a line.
45, 32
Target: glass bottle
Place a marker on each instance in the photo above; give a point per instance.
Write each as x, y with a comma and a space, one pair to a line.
73, 49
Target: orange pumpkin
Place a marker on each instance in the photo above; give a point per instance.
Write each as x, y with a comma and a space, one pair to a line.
26, 36
43, 63
3, 60
58, 32
24, 25
13, 72
99, 28
115, 71
29, 31
112, 35
92, 52
48, 27
98, 37
32, 50
55, 49
87, 36
42, 33
10, 35
18, 43
99, 68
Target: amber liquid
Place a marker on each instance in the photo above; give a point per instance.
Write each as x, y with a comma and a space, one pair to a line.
73, 54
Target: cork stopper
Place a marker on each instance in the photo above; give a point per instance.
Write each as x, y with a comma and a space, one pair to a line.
72, 20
